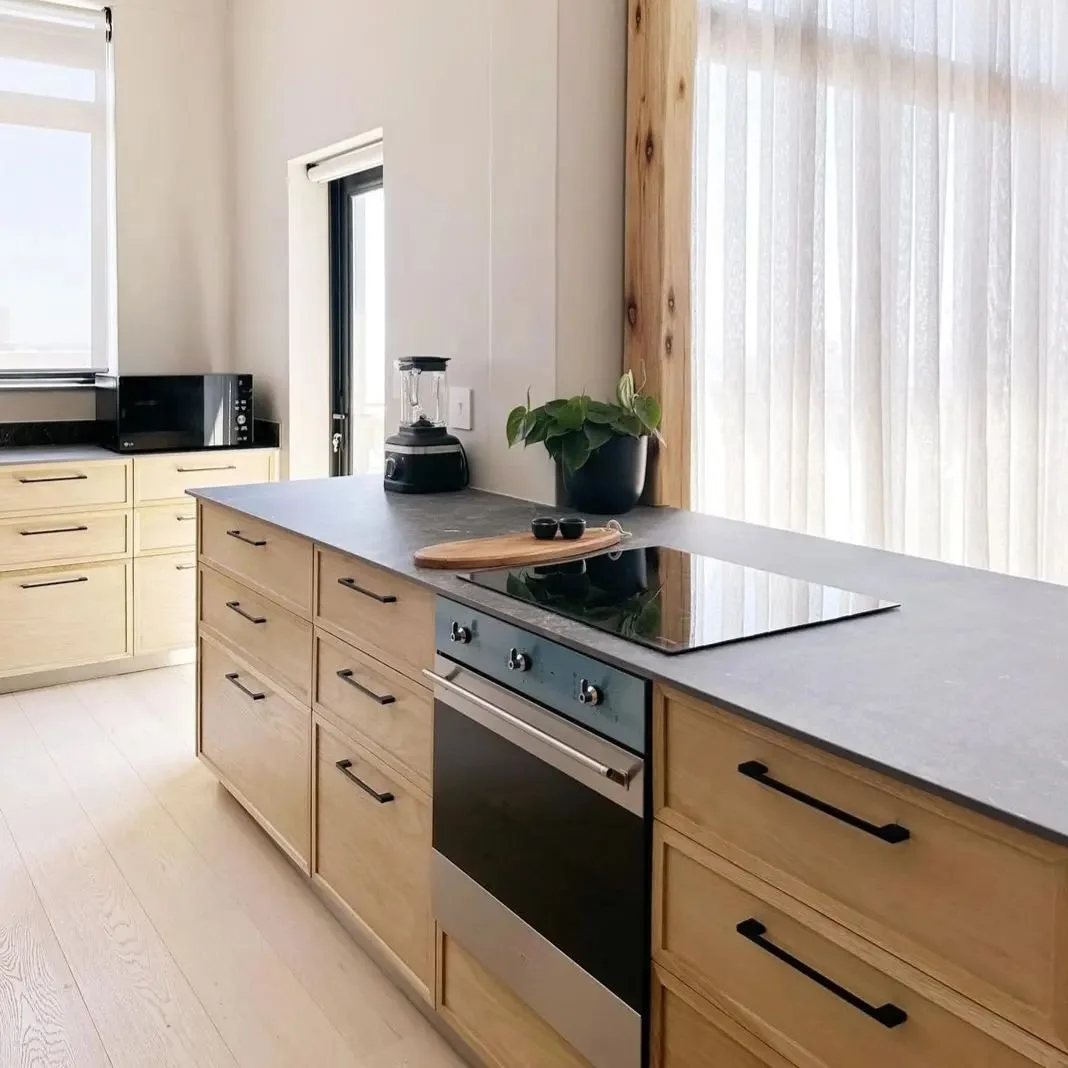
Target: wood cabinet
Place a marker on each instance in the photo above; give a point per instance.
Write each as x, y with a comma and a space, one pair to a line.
168, 476
33, 541
165, 599
37, 489
165, 528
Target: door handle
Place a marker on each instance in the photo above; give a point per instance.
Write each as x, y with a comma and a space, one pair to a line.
198, 470
52, 530
235, 606
892, 833
345, 674
53, 478
345, 766
184, 567
258, 543
381, 598
889, 1015
235, 679
53, 582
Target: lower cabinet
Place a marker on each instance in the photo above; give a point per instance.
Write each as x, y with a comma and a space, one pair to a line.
259, 740
372, 851
497, 1025
165, 599
61, 617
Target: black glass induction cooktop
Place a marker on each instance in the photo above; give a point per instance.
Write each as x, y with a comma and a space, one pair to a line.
675, 601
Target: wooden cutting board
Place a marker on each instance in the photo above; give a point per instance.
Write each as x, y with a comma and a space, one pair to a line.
513, 550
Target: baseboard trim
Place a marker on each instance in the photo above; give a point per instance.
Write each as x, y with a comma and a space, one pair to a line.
103, 669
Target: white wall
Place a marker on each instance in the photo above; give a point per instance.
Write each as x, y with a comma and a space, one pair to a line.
173, 119
503, 126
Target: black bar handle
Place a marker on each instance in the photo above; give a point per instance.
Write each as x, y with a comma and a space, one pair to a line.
53, 478
197, 470
184, 567
344, 767
259, 543
234, 678
52, 530
889, 1015
381, 598
235, 606
52, 582
185, 518
893, 833
345, 674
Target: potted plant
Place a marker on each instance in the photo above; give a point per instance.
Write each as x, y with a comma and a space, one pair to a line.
601, 447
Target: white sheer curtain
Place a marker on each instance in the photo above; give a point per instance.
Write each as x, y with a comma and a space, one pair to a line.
881, 274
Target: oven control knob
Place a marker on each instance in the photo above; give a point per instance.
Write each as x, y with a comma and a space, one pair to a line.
460, 635
518, 661
588, 694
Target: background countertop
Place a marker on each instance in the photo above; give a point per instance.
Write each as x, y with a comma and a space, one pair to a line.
963, 690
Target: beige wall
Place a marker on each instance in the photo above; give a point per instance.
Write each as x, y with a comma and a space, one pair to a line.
173, 120
503, 124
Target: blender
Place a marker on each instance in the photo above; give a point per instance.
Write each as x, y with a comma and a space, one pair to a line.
422, 457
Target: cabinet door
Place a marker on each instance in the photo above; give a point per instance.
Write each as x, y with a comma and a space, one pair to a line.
64, 487
167, 476
60, 539
165, 527
165, 600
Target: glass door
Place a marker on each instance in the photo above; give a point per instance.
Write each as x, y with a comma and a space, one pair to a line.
357, 323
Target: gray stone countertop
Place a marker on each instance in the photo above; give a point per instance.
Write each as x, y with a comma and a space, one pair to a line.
54, 454
963, 690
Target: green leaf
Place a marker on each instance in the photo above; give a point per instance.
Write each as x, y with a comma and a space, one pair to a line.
600, 412
575, 452
553, 408
514, 425
647, 409
554, 446
537, 431
572, 415
628, 424
625, 391
530, 420
597, 435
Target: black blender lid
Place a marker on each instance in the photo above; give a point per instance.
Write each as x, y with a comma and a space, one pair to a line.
422, 363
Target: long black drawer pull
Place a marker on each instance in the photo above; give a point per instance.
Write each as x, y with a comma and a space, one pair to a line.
185, 518
344, 767
259, 543
52, 582
52, 530
235, 606
53, 478
197, 470
893, 833
889, 1015
381, 598
184, 567
234, 678
345, 674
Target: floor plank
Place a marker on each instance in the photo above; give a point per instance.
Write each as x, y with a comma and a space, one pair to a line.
43, 1020
264, 1014
141, 1004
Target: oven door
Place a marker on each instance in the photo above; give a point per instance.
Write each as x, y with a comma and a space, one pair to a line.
540, 866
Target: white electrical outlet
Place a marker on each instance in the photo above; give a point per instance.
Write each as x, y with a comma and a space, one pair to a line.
460, 408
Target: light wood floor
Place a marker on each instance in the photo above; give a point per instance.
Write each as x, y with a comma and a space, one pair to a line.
146, 921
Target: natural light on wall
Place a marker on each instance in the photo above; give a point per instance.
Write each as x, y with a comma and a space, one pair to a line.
880, 255
55, 259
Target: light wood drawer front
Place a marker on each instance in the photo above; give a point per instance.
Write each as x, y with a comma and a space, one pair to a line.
165, 602
496, 1023
55, 618
978, 905
377, 610
259, 738
167, 477
64, 487
272, 561
690, 1032
385, 709
68, 538
165, 527
372, 849
757, 974
277, 641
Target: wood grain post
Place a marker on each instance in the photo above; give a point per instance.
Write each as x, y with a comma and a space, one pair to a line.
661, 50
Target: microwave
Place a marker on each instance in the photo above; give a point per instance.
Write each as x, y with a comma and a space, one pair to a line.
147, 413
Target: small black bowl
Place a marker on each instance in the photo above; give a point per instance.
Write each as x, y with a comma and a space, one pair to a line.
572, 527
544, 527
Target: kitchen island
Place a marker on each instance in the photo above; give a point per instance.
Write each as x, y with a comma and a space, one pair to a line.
944, 717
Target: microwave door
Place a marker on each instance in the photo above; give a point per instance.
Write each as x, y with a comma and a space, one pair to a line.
220, 402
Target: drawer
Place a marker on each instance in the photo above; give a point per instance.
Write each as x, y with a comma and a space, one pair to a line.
259, 739
276, 641
690, 1032
60, 539
166, 477
372, 851
165, 527
493, 1021
64, 487
387, 615
275, 563
62, 617
386, 710
165, 603
808, 997
976, 904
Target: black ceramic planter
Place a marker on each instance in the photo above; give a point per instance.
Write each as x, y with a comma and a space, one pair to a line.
611, 481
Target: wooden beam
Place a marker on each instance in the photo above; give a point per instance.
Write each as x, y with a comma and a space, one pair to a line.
661, 49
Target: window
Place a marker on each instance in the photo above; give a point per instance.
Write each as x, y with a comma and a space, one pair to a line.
56, 301
880, 274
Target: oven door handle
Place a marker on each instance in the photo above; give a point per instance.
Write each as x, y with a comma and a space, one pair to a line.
615, 775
